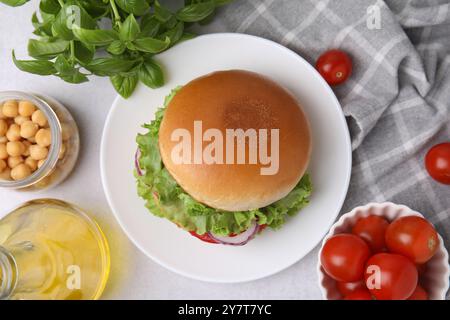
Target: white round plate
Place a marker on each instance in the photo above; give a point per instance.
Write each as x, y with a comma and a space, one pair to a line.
271, 251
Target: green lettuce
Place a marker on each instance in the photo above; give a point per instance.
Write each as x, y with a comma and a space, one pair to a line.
165, 198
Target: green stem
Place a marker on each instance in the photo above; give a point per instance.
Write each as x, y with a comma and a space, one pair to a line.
72, 50
61, 3
115, 12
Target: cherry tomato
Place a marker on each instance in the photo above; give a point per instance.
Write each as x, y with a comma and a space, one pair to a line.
413, 237
361, 294
419, 294
349, 287
344, 256
204, 237
390, 276
335, 66
437, 162
372, 229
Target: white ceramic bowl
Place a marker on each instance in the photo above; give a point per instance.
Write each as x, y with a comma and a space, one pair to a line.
436, 278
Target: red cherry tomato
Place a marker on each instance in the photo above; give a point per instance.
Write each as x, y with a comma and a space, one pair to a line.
413, 237
419, 294
361, 294
372, 229
391, 276
204, 237
344, 256
335, 66
437, 162
349, 287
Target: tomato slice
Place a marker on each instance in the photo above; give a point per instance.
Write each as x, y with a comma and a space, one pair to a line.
207, 238
204, 237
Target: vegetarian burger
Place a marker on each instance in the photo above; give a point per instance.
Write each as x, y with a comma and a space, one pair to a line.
225, 157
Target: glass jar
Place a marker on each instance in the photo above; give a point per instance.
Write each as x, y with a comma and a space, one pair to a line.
64, 148
52, 250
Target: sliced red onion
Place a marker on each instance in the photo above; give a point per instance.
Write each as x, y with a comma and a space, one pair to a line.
240, 239
137, 155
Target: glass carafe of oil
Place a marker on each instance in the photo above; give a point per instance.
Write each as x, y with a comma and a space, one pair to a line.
50, 249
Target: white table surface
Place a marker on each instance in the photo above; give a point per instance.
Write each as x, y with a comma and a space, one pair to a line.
133, 275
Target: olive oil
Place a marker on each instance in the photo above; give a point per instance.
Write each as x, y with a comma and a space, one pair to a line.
51, 250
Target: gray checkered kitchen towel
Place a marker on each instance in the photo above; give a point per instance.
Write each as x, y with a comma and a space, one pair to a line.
397, 102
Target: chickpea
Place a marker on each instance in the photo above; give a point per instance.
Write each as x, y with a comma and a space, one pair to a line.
15, 148
31, 163
26, 108
28, 129
39, 118
3, 152
66, 131
6, 174
44, 137
27, 145
20, 172
2, 165
62, 151
21, 119
3, 140
37, 152
14, 161
13, 133
2, 116
32, 140
40, 163
3, 127
10, 109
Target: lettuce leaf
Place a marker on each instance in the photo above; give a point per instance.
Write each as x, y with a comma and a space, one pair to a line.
165, 198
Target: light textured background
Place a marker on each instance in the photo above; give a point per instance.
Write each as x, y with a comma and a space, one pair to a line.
133, 275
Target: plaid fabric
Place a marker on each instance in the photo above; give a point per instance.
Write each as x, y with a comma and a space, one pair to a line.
397, 101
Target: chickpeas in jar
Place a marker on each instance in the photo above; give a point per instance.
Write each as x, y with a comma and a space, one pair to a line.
39, 141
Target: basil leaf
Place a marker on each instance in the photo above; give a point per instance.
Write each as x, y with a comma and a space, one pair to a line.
68, 72
161, 14
196, 12
149, 26
151, 45
76, 77
49, 6
39, 48
96, 37
96, 8
62, 65
40, 67
110, 66
151, 74
43, 28
83, 53
187, 36
129, 29
137, 7
116, 47
124, 85
174, 34
130, 46
68, 16
14, 3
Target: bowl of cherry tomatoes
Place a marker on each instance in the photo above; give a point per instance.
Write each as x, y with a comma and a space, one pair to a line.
383, 251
